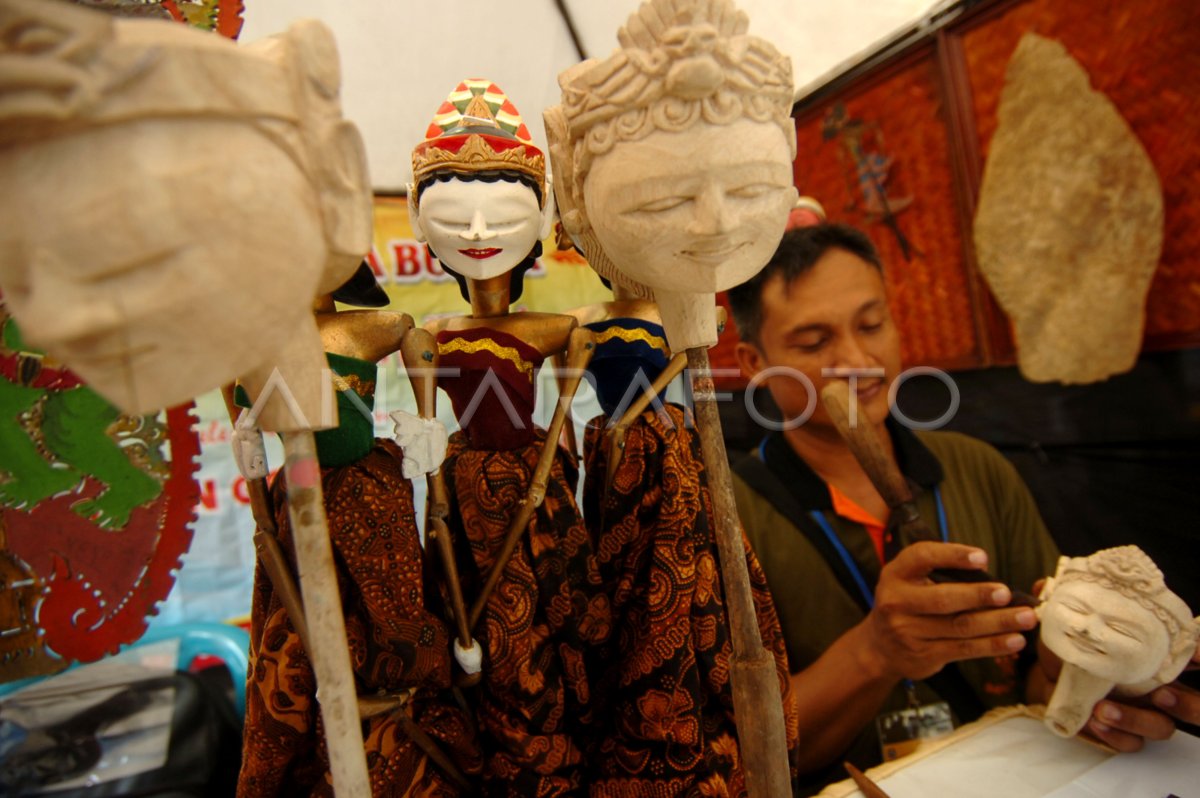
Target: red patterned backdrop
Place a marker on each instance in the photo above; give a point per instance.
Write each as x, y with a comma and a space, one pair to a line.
930, 110
1146, 58
929, 289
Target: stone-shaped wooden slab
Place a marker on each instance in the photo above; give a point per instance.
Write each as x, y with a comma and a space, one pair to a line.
1069, 226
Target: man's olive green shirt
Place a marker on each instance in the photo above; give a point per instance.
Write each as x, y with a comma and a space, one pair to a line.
986, 505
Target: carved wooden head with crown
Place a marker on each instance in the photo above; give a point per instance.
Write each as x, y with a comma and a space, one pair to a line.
672, 158
174, 201
1113, 615
1114, 624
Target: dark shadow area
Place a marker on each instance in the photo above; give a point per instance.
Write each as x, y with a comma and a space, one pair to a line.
1109, 464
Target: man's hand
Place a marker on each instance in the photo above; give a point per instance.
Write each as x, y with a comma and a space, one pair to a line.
1126, 723
1181, 703
917, 627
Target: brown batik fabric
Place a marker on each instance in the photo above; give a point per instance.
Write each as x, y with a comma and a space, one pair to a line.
665, 724
395, 644
539, 628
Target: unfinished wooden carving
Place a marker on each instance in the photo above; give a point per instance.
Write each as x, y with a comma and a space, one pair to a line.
173, 205
1114, 624
672, 158
1069, 228
673, 162
174, 202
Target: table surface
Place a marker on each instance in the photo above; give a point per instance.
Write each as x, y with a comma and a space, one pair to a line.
1010, 753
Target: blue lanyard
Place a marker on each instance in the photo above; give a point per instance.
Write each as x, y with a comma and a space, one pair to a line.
849, 562
852, 567
840, 547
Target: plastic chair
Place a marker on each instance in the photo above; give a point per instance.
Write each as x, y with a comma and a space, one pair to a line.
229, 643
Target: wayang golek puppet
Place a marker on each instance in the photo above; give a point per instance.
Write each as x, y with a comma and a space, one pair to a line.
684, 137
481, 200
647, 504
418, 736
1114, 624
215, 190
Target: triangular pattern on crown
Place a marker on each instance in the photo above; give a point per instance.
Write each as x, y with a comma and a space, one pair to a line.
477, 128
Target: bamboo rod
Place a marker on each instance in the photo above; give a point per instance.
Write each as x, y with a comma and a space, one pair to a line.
757, 700
330, 656
616, 436
579, 354
419, 350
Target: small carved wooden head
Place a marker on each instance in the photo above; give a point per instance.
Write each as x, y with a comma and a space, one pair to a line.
1112, 615
174, 201
672, 157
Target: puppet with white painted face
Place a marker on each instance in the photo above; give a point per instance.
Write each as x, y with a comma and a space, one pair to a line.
1115, 625
481, 200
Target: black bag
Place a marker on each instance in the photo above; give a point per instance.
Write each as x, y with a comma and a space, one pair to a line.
203, 752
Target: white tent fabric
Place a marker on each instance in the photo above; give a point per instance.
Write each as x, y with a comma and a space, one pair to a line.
401, 59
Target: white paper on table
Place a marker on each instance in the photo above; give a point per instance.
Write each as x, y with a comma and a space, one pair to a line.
1015, 758
1169, 767
1012, 754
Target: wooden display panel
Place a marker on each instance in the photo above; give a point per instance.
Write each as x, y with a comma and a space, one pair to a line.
902, 111
1144, 57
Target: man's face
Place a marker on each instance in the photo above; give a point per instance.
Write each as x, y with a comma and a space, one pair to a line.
833, 317
697, 211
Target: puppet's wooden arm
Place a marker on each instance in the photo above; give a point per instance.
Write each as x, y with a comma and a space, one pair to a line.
559, 360
615, 437
579, 352
419, 350
369, 335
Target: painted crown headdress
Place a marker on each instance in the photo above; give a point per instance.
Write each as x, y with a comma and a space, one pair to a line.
478, 129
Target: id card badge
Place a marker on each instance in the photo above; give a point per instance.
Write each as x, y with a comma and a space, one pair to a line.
902, 731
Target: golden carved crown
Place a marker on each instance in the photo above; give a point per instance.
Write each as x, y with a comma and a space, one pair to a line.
478, 129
